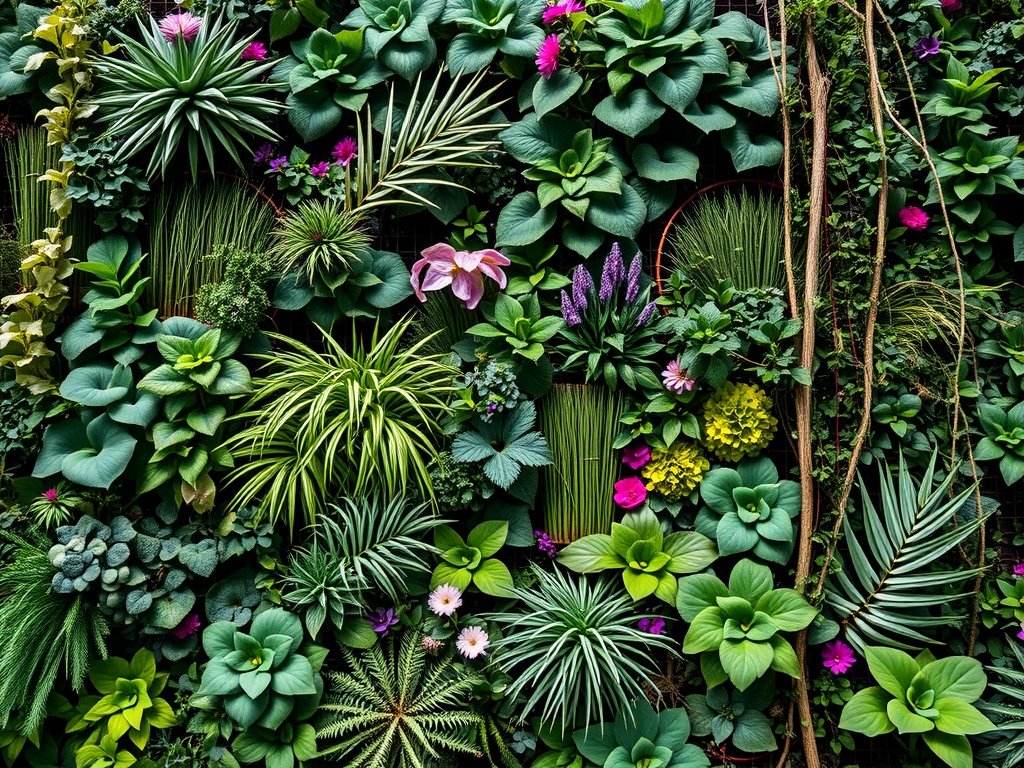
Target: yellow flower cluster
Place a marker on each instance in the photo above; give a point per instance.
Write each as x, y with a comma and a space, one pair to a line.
675, 473
738, 422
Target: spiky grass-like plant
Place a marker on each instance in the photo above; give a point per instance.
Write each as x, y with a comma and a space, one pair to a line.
318, 238
28, 157
45, 634
580, 423
446, 319
574, 650
735, 237
397, 708
346, 422
1005, 709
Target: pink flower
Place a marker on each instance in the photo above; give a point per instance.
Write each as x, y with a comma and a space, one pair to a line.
345, 151
630, 492
463, 271
188, 627
676, 380
655, 626
1018, 569
951, 5
50, 495
320, 169
445, 600
256, 51
547, 56
837, 657
914, 218
1020, 635
563, 8
636, 455
472, 642
183, 25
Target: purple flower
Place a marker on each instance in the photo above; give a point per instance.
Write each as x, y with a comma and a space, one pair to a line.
547, 56
188, 627
645, 315
183, 25
1020, 635
345, 151
278, 163
837, 657
926, 48
255, 51
320, 169
655, 626
951, 5
633, 279
382, 620
569, 313
582, 286
263, 154
612, 273
545, 544
491, 408
636, 455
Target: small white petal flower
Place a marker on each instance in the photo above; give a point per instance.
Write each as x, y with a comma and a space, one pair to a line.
472, 642
445, 600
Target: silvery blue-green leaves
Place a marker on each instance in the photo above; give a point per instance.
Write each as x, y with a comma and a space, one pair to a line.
487, 27
737, 717
17, 47
472, 561
750, 509
505, 444
921, 695
737, 628
1004, 440
93, 454
398, 32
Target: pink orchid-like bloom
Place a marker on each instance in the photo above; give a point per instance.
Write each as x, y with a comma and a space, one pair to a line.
188, 627
676, 379
630, 492
951, 5
345, 151
914, 218
183, 25
563, 8
464, 271
636, 455
255, 51
50, 495
837, 657
547, 56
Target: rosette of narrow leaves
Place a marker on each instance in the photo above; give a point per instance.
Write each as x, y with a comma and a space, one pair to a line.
128, 702
750, 509
488, 27
648, 559
728, 715
507, 444
472, 561
922, 695
737, 628
642, 737
163, 96
398, 33
1007, 710
1004, 440
262, 676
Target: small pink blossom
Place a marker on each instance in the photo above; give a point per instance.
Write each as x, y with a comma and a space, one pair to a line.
837, 657
183, 25
445, 600
255, 51
636, 455
630, 492
188, 627
432, 645
50, 495
547, 56
1020, 635
320, 169
676, 379
472, 642
1018, 569
914, 218
951, 5
345, 151
463, 271
563, 8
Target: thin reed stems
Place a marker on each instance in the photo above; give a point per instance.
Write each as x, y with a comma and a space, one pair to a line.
28, 157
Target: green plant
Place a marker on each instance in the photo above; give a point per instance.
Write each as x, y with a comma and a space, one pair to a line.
106, 754
22, 414
15, 53
736, 628
396, 706
93, 454
128, 703
738, 421
1004, 440
708, 339
738, 238
198, 360
472, 561
341, 421
487, 27
602, 658
27, 156
165, 95
889, 585
649, 560
517, 329
397, 32
1002, 605
1006, 711
320, 240
115, 189
506, 444
12, 253
735, 716
579, 423
237, 303
278, 748
259, 678
923, 696
750, 509
642, 737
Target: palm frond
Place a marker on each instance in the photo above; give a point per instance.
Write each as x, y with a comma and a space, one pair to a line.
882, 598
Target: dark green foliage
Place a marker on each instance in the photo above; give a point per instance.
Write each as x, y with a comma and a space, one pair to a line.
11, 254
237, 303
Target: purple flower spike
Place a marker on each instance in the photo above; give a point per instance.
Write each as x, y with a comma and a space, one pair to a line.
633, 279
569, 313
645, 316
612, 274
582, 286
545, 544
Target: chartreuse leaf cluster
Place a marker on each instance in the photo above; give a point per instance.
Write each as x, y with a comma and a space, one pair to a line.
737, 629
922, 695
472, 561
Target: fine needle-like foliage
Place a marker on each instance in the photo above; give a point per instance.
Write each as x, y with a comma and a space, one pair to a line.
318, 239
883, 596
340, 421
396, 708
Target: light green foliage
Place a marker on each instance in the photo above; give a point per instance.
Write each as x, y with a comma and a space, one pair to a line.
487, 27
603, 656
750, 509
737, 628
397, 32
517, 329
728, 715
924, 696
278, 748
472, 561
396, 707
1004, 440
642, 737
648, 559
105, 754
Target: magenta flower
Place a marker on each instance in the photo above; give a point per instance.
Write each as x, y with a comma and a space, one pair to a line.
1018, 569
255, 51
547, 56
655, 626
320, 169
278, 163
382, 620
636, 455
676, 379
1020, 635
951, 5
50, 495
563, 8
926, 48
630, 492
345, 151
837, 657
463, 271
188, 627
183, 25
914, 218
545, 544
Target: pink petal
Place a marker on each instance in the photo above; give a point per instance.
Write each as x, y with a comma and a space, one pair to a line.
467, 261
491, 256
493, 272
469, 286
439, 252
436, 279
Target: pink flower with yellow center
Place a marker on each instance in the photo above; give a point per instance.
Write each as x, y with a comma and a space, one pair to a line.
473, 642
464, 271
445, 600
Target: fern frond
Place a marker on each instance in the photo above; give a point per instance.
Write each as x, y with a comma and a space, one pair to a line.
881, 598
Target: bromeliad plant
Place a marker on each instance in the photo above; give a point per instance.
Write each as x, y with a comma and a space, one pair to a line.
649, 560
737, 628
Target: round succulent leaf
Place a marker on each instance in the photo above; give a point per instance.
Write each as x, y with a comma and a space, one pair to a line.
218, 679
690, 552
706, 522
777, 526
753, 733
774, 551
246, 711
279, 708
736, 608
254, 683
277, 621
638, 584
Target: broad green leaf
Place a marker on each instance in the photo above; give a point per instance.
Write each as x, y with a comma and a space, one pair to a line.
866, 713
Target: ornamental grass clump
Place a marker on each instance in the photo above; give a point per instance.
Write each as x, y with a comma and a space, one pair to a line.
738, 421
